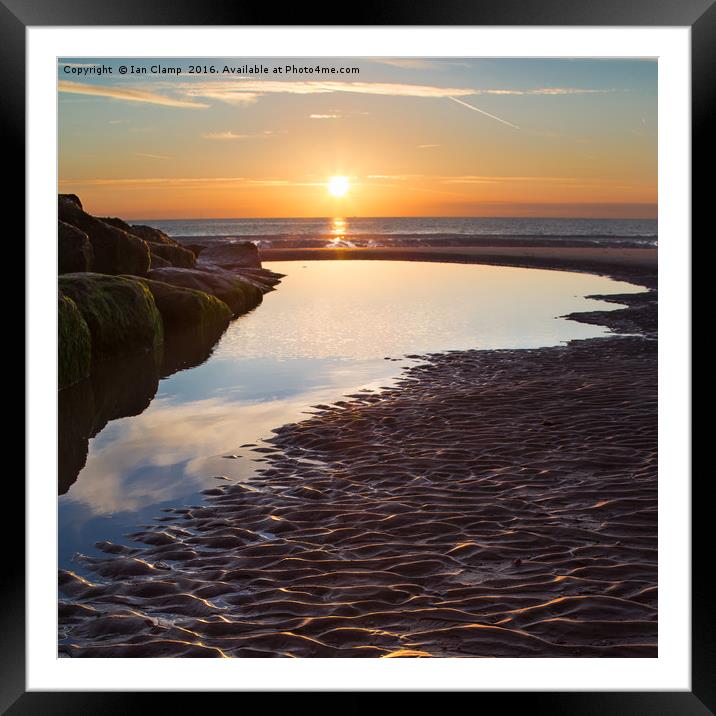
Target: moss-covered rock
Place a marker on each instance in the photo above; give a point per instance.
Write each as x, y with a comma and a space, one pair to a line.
238, 294
115, 251
120, 313
74, 250
74, 343
184, 308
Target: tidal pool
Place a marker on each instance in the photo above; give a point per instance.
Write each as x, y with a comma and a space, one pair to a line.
324, 333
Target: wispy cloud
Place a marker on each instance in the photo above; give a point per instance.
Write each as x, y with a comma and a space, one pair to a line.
230, 97
309, 180
244, 92
232, 136
126, 94
236, 91
429, 146
150, 156
547, 91
482, 111
438, 179
188, 182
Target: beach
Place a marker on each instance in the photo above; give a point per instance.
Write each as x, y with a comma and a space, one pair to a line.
491, 503
616, 262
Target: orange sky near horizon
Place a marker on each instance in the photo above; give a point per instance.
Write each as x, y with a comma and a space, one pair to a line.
553, 138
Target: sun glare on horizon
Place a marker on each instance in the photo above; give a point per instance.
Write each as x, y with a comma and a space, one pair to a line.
338, 186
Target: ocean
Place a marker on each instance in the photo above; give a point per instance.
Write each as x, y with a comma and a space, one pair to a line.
416, 231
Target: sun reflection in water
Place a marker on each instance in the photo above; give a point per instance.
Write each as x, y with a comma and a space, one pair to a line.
338, 230
338, 227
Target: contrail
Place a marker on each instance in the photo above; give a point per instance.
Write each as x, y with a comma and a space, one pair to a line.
482, 111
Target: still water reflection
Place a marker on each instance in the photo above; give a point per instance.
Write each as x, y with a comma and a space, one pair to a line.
161, 433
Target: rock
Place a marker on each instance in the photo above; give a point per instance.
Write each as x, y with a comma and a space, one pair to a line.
117, 223
184, 308
74, 250
157, 261
171, 252
239, 295
115, 251
195, 248
263, 279
72, 198
175, 255
74, 343
120, 313
154, 236
231, 255
146, 233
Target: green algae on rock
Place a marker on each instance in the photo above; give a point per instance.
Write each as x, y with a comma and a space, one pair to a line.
121, 313
74, 354
237, 293
184, 308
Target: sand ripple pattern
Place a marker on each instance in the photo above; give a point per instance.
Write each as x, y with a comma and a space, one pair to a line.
493, 504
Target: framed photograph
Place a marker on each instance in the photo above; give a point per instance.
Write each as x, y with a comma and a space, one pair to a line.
363, 345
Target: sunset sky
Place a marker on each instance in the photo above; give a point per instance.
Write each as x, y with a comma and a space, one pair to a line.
408, 137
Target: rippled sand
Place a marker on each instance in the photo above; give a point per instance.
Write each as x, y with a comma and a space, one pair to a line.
493, 503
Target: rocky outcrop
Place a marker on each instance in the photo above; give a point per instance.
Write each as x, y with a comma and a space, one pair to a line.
238, 254
74, 355
146, 233
115, 250
152, 235
120, 313
134, 307
117, 223
175, 255
74, 250
195, 248
164, 250
72, 198
158, 261
186, 309
238, 294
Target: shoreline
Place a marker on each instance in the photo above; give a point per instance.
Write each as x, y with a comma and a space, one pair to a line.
638, 265
492, 503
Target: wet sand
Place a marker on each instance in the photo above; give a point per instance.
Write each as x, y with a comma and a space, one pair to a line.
492, 503
611, 261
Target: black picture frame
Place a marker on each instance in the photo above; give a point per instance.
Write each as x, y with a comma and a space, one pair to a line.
699, 15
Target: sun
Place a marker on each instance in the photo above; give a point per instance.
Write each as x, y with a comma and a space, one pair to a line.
338, 186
